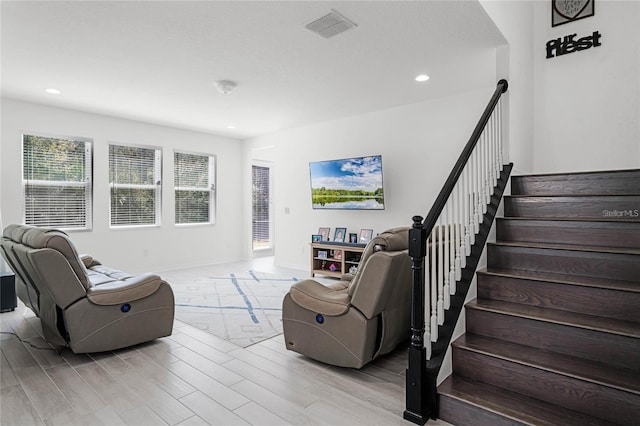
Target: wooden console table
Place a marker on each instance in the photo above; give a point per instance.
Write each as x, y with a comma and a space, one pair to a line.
334, 259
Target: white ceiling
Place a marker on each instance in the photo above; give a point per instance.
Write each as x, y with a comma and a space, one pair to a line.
157, 61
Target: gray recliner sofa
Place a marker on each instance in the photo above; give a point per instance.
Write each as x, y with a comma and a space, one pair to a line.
363, 316
81, 303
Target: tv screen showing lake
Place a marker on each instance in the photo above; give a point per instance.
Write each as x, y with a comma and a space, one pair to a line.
350, 183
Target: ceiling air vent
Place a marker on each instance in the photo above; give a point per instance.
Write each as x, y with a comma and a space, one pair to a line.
330, 25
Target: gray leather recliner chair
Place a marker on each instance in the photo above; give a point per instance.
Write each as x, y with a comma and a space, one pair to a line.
81, 303
366, 315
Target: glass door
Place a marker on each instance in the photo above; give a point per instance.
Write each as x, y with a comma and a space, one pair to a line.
262, 217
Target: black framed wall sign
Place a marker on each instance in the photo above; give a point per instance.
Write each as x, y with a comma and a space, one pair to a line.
565, 11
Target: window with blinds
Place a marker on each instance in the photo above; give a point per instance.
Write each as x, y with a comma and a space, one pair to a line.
261, 217
56, 182
135, 180
194, 182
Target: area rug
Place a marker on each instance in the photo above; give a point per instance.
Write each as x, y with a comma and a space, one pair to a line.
243, 308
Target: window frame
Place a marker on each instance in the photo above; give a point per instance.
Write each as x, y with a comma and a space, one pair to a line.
157, 186
212, 188
88, 145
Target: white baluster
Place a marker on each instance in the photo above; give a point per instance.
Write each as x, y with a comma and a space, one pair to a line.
458, 235
427, 305
500, 133
489, 157
454, 220
439, 271
482, 206
473, 213
434, 290
471, 196
494, 153
452, 249
468, 209
461, 226
479, 196
446, 242
481, 191
481, 174
488, 173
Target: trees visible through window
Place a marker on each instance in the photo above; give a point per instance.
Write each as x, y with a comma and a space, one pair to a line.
56, 182
194, 181
261, 218
135, 179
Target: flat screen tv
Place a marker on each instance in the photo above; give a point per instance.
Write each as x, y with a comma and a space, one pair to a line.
349, 183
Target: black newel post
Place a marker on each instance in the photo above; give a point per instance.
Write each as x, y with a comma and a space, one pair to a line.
417, 410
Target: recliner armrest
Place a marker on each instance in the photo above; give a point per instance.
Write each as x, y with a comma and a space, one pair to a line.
87, 260
347, 277
316, 297
117, 292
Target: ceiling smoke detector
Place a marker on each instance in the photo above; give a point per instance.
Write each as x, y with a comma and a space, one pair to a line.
225, 86
330, 25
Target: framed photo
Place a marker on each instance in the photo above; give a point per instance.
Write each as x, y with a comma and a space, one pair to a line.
565, 11
339, 235
316, 238
337, 254
324, 233
353, 238
322, 254
365, 236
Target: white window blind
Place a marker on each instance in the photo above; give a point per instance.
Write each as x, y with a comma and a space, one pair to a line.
56, 182
261, 222
135, 178
194, 181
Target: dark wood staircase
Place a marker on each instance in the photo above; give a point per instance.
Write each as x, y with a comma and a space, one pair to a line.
553, 337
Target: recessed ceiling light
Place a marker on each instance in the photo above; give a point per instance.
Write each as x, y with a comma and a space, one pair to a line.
231, 126
53, 91
422, 77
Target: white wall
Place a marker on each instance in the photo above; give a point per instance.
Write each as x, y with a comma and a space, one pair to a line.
419, 144
579, 111
133, 250
515, 63
587, 104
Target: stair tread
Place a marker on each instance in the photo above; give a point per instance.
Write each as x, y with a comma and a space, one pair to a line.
588, 220
595, 174
579, 368
578, 280
573, 196
565, 219
607, 325
512, 405
572, 247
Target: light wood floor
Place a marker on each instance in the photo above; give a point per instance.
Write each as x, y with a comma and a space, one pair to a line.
190, 378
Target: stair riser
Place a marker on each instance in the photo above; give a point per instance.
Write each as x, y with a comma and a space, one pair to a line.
569, 262
617, 304
611, 183
612, 208
607, 234
585, 397
457, 412
617, 350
